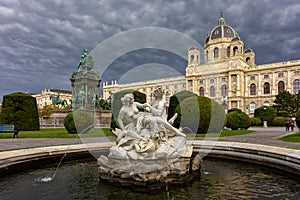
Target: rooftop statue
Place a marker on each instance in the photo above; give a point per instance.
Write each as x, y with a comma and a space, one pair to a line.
146, 142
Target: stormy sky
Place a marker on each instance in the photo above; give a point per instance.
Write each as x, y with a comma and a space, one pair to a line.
41, 41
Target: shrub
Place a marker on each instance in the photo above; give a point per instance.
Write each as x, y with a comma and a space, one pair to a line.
284, 114
21, 110
201, 115
234, 110
175, 101
265, 114
279, 121
79, 121
236, 120
117, 104
255, 121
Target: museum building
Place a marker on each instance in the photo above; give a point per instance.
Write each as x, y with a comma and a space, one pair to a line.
228, 74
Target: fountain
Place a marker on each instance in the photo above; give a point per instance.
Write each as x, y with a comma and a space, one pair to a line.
149, 151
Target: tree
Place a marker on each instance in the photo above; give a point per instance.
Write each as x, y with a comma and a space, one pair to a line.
285, 101
237, 119
200, 115
79, 121
265, 113
175, 101
21, 110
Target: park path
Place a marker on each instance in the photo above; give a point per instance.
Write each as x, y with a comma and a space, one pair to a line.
266, 136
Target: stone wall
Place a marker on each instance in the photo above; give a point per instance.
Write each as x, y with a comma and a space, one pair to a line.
102, 118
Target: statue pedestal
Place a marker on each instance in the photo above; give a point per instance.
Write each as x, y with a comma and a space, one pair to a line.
150, 173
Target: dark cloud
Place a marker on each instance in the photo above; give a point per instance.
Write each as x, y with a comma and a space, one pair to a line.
41, 41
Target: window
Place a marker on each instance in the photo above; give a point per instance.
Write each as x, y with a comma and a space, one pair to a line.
267, 88
212, 80
280, 86
280, 74
201, 91
235, 51
296, 73
192, 59
228, 51
212, 91
206, 56
252, 107
296, 85
252, 78
252, 89
201, 82
266, 76
224, 91
248, 60
190, 83
216, 52
223, 79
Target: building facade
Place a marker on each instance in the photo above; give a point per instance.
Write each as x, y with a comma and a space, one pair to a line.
43, 99
228, 74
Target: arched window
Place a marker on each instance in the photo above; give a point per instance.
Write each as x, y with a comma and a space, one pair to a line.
228, 51
224, 91
216, 52
267, 88
192, 59
206, 56
201, 91
248, 59
235, 51
212, 91
252, 89
280, 86
296, 85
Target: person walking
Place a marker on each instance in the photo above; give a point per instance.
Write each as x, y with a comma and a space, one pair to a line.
292, 124
287, 124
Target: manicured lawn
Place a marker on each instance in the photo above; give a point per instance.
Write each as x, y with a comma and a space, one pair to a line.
225, 133
58, 133
291, 138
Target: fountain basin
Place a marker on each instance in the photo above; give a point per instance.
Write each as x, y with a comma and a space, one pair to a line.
281, 158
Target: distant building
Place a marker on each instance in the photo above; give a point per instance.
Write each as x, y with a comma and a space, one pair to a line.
228, 74
43, 99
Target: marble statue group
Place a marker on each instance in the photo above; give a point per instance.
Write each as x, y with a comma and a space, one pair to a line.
148, 147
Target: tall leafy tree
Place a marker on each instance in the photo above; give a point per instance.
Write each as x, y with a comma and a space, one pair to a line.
21, 110
285, 101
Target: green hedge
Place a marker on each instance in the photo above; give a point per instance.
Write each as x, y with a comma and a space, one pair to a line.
117, 104
175, 101
255, 121
279, 121
21, 110
79, 121
200, 115
267, 113
234, 110
238, 120
284, 114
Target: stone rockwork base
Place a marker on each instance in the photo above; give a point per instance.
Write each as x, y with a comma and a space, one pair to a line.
150, 174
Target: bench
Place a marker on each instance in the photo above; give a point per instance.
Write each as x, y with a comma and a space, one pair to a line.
8, 128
